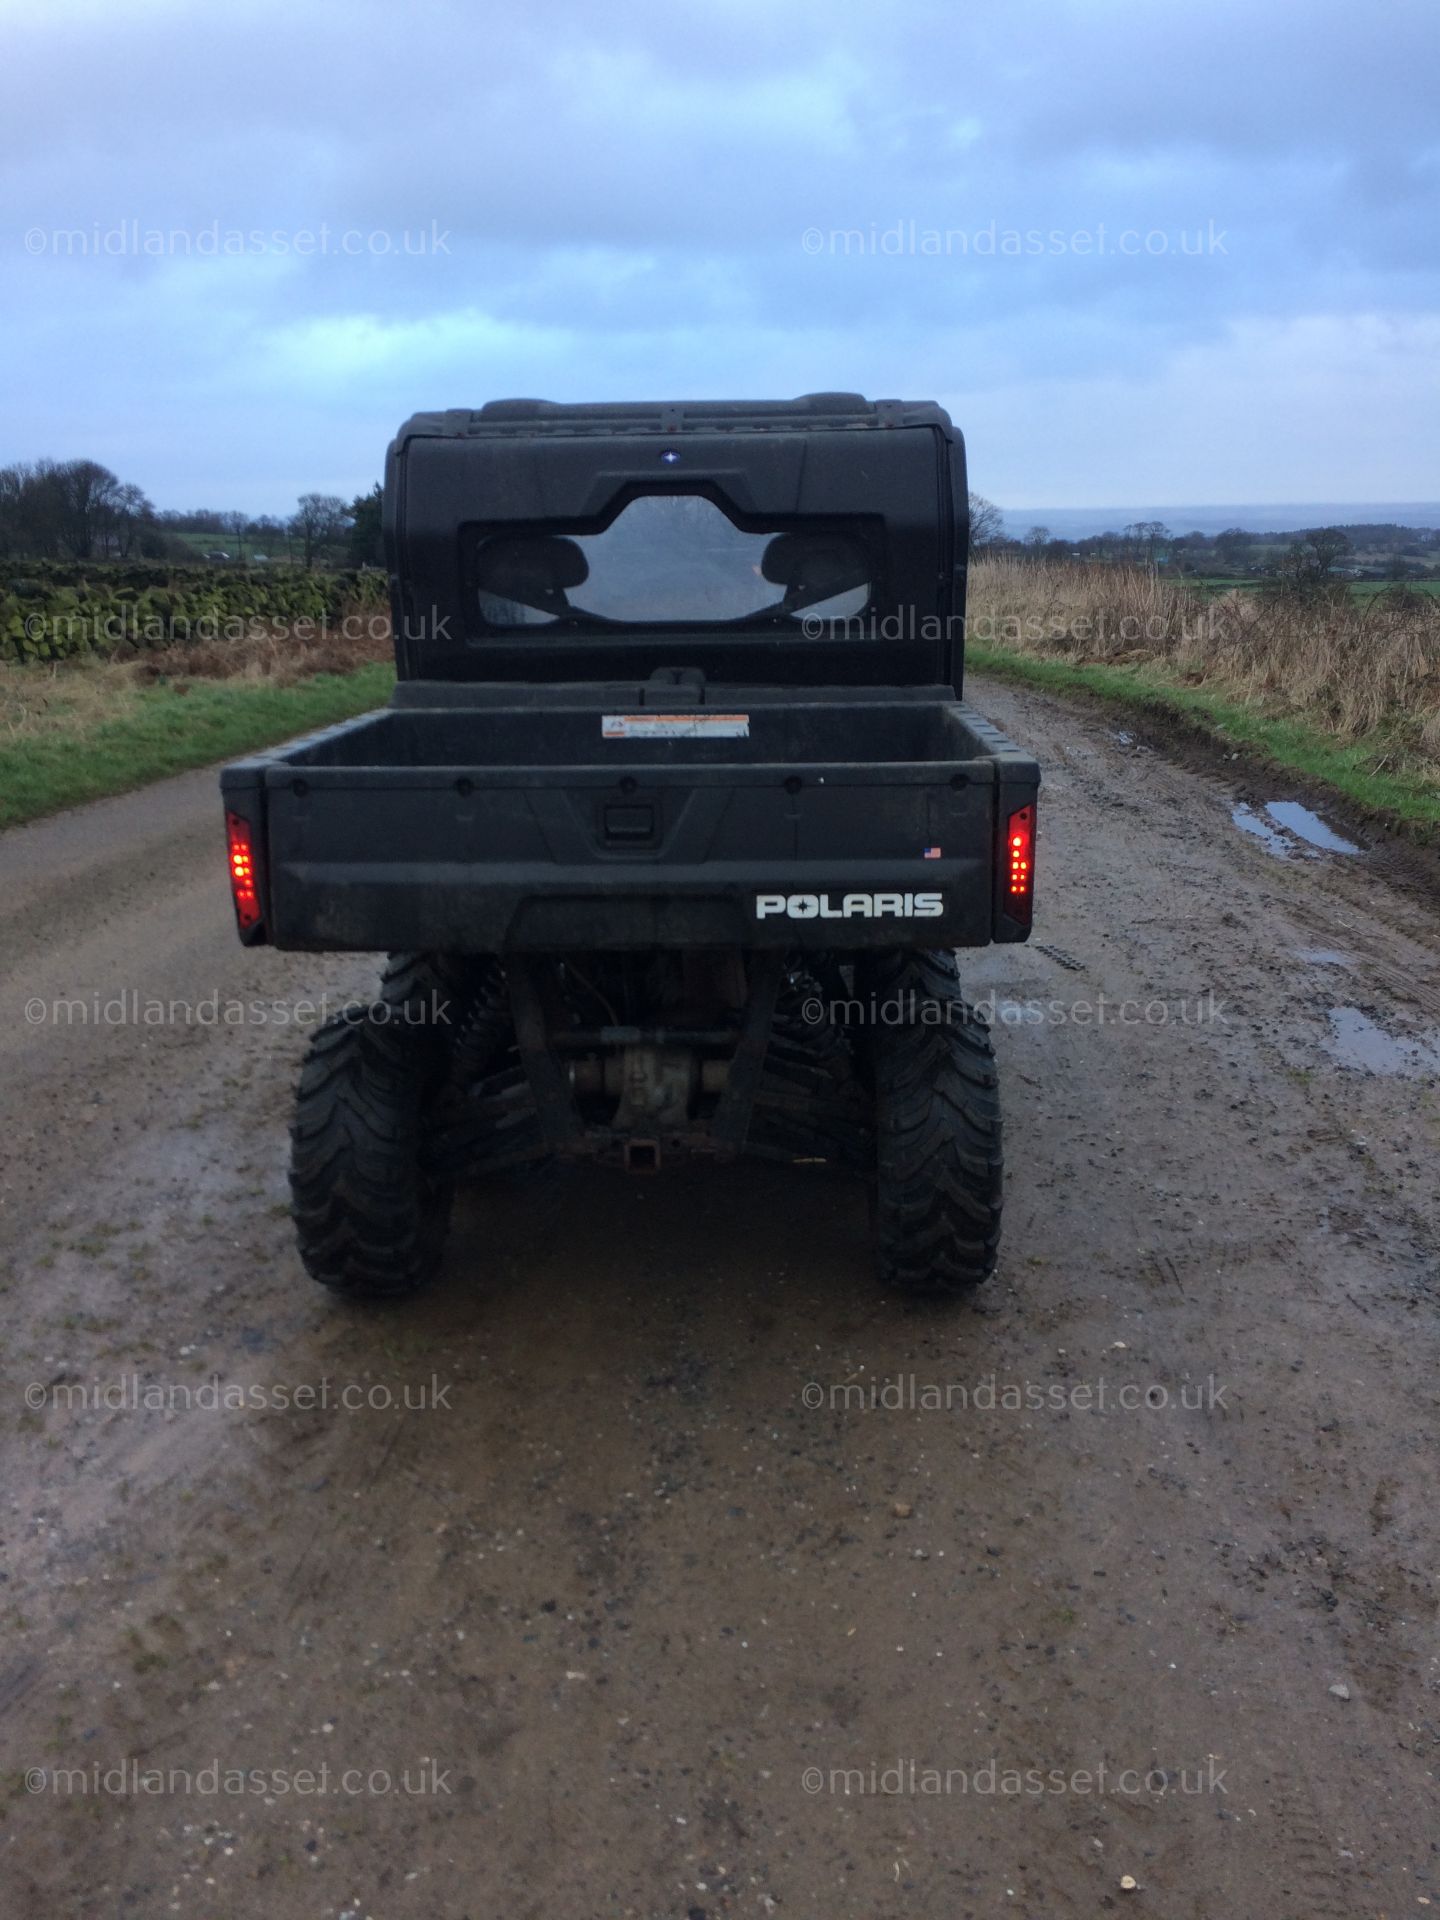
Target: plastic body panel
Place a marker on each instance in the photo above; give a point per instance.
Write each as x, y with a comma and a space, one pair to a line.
534, 465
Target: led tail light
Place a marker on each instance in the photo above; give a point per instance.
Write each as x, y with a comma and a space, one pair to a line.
244, 886
1019, 865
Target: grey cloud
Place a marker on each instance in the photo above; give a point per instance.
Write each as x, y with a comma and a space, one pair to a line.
619, 200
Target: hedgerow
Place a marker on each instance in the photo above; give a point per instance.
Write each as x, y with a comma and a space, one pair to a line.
61, 611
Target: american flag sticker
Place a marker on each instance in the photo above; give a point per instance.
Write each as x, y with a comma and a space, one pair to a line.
930, 853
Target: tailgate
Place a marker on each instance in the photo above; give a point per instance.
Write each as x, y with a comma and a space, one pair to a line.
661, 844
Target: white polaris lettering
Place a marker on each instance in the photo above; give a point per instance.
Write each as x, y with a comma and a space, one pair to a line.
853, 906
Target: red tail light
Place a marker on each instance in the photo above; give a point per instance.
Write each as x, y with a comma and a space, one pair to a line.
243, 884
1019, 865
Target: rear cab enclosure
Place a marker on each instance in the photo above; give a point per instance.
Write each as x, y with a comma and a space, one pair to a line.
678, 748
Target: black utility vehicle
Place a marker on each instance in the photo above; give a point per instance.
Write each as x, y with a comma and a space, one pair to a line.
671, 828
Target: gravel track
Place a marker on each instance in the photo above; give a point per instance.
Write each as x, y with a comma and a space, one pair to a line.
707, 1579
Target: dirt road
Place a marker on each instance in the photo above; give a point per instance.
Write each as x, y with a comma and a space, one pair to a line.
655, 1564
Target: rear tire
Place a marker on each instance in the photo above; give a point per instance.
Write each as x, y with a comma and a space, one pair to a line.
370, 1217
937, 1127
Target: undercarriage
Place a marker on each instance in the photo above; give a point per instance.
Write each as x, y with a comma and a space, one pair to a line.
464, 1068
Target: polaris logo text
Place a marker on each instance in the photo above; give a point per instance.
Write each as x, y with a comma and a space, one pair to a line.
850, 906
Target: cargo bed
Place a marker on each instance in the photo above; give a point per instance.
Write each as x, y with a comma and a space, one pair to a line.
628, 816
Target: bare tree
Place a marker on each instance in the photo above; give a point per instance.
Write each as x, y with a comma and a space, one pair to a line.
129, 513
267, 535
1306, 568
237, 525
31, 509
87, 494
320, 520
987, 523
1150, 534
13, 487
79, 508
1141, 539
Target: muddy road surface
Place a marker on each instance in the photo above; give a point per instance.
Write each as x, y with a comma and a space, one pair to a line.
656, 1564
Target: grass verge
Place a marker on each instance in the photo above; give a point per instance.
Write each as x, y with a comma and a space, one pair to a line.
79, 736
1397, 799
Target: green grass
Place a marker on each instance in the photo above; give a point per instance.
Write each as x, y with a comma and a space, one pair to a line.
1367, 589
170, 728
1282, 740
1211, 585
203, 543
274, 548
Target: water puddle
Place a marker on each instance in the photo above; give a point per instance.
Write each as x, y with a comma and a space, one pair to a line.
1289, 829
1356, 1041
1271, 838
1324, 957
1308, 826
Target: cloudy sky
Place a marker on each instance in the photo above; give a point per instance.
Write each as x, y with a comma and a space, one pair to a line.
1144, 253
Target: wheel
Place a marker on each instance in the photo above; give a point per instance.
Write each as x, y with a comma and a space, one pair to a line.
437, 990
370, 1216
937, 1130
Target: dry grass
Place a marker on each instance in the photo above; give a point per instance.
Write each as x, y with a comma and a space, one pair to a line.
1364, 672
279, 655
72, 699
64, 701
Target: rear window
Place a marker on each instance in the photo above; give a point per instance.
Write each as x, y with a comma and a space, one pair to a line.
673, 559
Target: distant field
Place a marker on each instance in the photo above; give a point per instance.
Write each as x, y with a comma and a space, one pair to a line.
1367, 589
1211, 584
202, 543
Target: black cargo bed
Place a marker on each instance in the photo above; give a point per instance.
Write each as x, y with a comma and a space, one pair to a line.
493, 827
920, 733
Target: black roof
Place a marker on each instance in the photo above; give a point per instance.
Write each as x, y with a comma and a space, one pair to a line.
809, 413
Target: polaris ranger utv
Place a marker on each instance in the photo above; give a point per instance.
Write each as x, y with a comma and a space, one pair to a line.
671, 828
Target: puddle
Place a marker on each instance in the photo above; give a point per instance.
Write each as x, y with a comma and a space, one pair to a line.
1356, 1041
1308, 826
1271, 838
1324, 957
1122, 738
1290, 829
